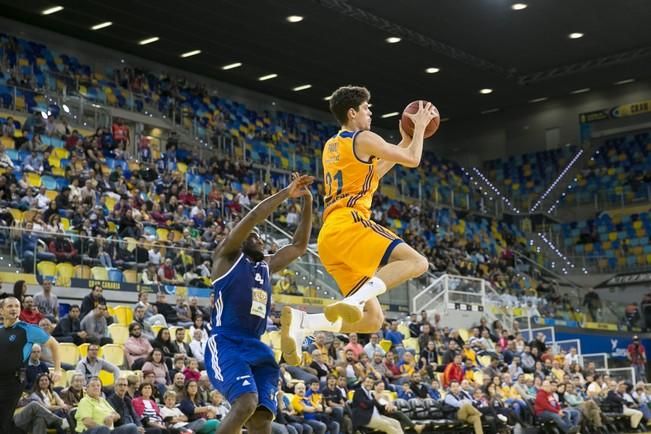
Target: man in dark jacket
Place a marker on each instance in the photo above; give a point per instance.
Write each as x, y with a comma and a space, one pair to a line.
367, 412
121, 403
92, 300
68, 329
166, 309
615, 399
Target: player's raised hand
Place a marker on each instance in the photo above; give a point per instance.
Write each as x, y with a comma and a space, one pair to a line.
299, 185
424, 114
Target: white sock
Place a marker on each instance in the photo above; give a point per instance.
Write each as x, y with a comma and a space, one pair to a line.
317, 322
372, 288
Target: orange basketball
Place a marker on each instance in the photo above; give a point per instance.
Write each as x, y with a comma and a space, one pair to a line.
408, 125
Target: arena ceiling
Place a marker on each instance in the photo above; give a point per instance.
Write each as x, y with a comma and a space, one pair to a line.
522, 54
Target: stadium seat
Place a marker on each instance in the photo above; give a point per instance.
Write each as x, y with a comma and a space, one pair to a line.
115, 275
82, 272
119, 333
47, 269
130, 276
386, 344
124, 314
33, 179
83, 350
113, 353
106, 378
156, 328
99, 273
68, 353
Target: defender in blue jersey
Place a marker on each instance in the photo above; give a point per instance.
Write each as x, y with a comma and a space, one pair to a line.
239, 365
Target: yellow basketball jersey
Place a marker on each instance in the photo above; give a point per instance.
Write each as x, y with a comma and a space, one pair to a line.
349, 181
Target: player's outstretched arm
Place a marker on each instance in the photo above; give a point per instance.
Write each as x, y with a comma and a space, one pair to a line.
283, 257
384, 166
231, 245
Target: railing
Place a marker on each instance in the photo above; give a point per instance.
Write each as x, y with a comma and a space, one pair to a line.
567, 345
619, 197
626, 375
600, 360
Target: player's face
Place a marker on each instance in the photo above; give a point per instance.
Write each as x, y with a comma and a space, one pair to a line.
10, 308
362, 118
253, 247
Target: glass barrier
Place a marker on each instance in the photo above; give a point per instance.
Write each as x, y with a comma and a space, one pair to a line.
618, 197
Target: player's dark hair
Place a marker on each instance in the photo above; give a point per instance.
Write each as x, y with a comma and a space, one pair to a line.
345, 98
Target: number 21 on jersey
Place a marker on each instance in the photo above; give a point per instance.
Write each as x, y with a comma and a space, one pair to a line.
338, 178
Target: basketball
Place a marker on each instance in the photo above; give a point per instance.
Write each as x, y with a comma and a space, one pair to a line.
408, 124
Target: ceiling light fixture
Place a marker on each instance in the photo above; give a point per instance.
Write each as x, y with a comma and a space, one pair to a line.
393, 40
190, 53
486, 91
102, 25
327, 98
578, 91
541, 99
52, 10
389, 115
575, 35
518, 6
231, 66
432, 70
294, 19
627, 81
492, 110
267, 77
445, 119
149, 40
302, 87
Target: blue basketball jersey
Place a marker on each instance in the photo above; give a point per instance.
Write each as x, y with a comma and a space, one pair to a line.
242, 299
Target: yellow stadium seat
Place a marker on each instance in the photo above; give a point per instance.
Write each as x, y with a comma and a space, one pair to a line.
110, 202
65, 222
51, 194
411, 344
20, 103
113, 353
106, 377
402, 328
65, 271
484, 360
47, 268
131, 243
182, 167
162, 233
156, 328
60, 153
82, 272
7, 142
68, 353
385, 344
112, 227
463, 334
61, 382
99, 273
648, 259
58, 171
124, 314
33, 179
83, 350
612, 236
589, 247
130, 276
119, 333
16, 214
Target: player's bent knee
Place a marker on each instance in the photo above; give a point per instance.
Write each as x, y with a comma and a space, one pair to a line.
372, 323
421, 265
260, 419
245, 406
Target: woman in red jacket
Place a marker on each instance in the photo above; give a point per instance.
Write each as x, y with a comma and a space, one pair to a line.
146, 408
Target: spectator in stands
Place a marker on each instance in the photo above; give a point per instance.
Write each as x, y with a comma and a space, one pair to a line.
636, 354
91, 365
149, 275
354, 346
166, 309
34, 367
175, 417
453, 371
137, 347
459, 404
146, 408
179, 344
96, 327
20, 291
47, 302
68, 329
337, 402
547, 408
198, 345
178, 385
92, 300
373, 346
592, 302
183, 312
195, 408
304, 407
414, 326
44, 394
163, 342
35, 418
368, 412
615, 398
94, 413
156, 364
395, 337
121, 403
198, 324
75, 392
30, 314
167, 274
139, 318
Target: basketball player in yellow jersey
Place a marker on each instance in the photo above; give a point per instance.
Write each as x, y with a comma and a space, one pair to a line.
364, 258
